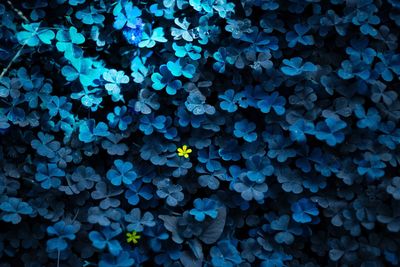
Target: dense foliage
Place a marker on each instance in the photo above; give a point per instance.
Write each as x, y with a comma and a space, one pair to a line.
199, 133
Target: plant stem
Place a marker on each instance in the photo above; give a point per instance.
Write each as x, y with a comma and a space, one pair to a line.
19, 12
58, 258
22, 47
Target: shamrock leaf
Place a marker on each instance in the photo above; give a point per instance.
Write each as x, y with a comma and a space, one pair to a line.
151, 36
33, 35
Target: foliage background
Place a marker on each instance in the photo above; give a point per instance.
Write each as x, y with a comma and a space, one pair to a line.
290, 108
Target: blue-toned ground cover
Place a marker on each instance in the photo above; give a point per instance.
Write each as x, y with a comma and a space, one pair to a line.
199, 133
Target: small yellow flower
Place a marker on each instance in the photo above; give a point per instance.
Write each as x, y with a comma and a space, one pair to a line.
184, 151
132, 237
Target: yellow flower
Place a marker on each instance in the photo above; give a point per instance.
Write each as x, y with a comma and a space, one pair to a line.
184, 151
132, 237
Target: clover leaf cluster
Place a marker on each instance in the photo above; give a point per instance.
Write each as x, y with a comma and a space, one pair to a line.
199, 133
